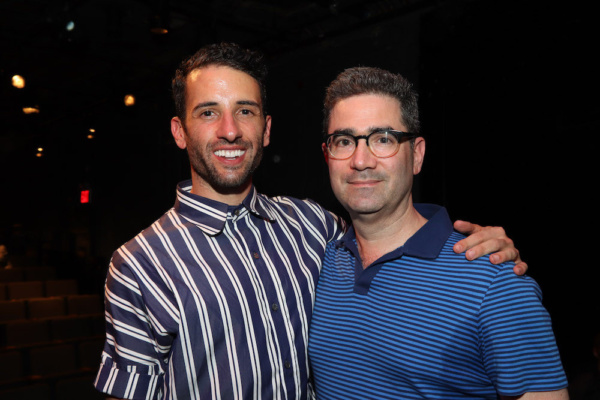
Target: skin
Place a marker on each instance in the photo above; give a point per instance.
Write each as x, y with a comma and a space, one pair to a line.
224, 132
377, 191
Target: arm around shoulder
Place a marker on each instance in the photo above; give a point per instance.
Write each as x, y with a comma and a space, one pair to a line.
561, 394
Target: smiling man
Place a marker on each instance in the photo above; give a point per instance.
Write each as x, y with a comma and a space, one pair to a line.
398, 314
214, 299
225, 132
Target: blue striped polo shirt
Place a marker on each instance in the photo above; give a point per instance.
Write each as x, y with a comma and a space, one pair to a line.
424, 323
214, 302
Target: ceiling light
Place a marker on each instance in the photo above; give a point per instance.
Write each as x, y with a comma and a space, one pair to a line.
18, 81
129, 100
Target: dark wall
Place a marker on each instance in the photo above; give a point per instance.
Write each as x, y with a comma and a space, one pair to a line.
509, 110
508, 105
509, 99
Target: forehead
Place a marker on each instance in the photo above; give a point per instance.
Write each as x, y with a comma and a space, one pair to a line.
215, 82
366, 111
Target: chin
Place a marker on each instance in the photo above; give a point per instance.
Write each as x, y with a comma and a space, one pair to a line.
362, 208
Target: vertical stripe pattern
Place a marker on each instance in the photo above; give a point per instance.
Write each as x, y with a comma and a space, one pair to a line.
214, 302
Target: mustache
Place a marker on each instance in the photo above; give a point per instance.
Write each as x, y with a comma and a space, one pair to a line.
358, 176
237, 142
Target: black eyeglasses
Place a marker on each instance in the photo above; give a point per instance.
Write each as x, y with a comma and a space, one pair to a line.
382, 144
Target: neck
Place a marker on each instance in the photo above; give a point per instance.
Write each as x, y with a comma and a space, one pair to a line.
229, 196
378, 235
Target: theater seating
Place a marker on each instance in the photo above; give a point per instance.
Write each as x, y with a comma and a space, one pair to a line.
51, 336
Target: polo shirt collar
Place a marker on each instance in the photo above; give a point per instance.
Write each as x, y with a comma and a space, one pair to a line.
211, 215
427, 242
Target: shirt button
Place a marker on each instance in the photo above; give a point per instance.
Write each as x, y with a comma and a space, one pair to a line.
256, 255
287, 364
236, 212
274, 306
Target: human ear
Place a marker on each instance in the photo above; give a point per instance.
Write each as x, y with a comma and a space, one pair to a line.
267, 134
325, 152
178, 132
418, 154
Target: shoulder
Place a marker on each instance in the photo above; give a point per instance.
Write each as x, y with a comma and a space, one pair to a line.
290, 203
304, 214
479, 272
142, 246
481, 264
294, 207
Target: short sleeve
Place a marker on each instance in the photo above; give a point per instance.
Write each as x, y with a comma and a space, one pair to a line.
133, 362
335, 226
517, 342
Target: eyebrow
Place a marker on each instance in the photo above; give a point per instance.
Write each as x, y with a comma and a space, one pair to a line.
371, 129
202, 105
248, 103
214, 103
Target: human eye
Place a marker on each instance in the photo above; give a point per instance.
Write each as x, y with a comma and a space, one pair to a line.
342, 141
204, 113
247, 111
384, 139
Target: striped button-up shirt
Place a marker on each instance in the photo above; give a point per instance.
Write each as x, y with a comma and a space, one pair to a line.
214, 301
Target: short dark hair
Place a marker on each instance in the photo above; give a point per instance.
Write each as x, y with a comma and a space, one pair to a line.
368, 80
221, 54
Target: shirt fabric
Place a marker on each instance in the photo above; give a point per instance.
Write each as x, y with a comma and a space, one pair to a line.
422, 322
214, 302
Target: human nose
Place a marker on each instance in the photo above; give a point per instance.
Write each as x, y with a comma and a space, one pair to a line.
228, 128
363, 158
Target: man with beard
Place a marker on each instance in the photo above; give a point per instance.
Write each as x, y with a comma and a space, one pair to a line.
215, 298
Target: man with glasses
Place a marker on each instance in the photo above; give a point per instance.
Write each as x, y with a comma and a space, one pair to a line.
398, 314
214, 300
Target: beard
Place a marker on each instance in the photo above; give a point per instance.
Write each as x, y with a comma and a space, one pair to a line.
226, 178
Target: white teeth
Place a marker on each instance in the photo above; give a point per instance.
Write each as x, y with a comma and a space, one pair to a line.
229, 153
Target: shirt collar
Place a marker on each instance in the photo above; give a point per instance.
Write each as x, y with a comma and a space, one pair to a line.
211, 215
427, 242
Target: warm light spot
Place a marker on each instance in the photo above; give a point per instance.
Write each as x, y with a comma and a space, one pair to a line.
39, 155
159, 30
31, 110
92, 130
90, 136
40, 149
18, 81
129, 100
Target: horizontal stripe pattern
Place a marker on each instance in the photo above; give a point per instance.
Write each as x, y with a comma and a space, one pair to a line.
430, 328
214, 302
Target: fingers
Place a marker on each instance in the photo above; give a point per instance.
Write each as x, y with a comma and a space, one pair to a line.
465, 227
520, 268
500, 250
486, 240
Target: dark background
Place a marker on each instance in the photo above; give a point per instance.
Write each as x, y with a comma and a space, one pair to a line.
509, 105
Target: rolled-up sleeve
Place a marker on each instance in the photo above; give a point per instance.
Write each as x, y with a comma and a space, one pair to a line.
134, 356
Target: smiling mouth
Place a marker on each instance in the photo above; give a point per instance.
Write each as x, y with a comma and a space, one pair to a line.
229, 153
